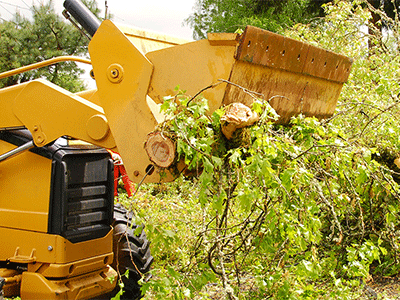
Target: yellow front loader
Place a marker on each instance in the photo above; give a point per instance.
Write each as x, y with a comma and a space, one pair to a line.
57, 217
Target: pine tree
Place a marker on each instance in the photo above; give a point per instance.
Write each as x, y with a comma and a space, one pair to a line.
24, 41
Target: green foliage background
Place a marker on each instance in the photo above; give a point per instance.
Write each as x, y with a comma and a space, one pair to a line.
306, 211
231, 15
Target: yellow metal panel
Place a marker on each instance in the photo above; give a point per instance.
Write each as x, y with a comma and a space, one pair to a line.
7, 96
122, 76
88, 286
192, 66
49, 112
24, 190
89, 95
49, 248
223, 39
27, 241
70, 252
72, 269
147, 41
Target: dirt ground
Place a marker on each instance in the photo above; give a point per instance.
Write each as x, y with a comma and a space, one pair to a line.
377, 288
387, 288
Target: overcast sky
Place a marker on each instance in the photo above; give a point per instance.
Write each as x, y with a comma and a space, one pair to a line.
164, 16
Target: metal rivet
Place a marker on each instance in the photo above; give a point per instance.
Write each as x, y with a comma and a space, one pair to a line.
114, 73
40, 139
50, 248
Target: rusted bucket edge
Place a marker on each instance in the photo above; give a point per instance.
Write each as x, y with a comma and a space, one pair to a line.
269, 49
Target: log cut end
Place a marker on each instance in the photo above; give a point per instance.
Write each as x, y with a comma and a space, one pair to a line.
160, 149
237, 115
397, 162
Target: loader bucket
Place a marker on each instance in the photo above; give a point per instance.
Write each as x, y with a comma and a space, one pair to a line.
293, 76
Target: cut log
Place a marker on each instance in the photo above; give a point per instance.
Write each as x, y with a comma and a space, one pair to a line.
160, 149
237, 115
397, 162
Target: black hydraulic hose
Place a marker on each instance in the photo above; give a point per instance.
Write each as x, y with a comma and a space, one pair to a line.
82, 15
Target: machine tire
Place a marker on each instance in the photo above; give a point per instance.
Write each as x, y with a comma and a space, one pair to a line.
2, 283
131, 252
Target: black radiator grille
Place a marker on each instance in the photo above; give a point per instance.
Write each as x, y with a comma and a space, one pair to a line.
82, 199
86, 205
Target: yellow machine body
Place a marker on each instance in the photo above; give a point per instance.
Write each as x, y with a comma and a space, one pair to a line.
49, 266
27, 213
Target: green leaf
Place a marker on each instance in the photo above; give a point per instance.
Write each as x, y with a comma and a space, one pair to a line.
173, 273
208, 166
286, 178
217, 162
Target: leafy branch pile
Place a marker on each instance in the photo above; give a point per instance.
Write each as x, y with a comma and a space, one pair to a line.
305, 211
